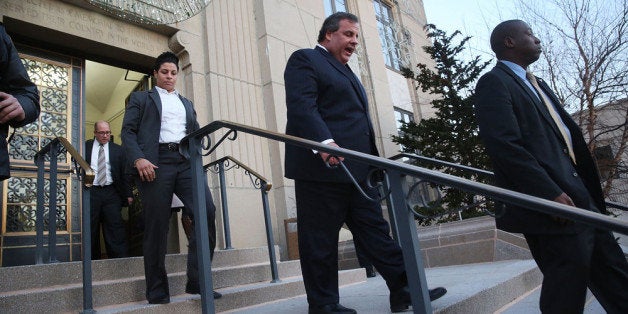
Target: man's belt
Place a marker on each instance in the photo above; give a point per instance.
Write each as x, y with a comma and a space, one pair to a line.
173, 147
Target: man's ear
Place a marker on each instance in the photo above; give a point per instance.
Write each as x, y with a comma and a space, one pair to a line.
509, 42
328, 36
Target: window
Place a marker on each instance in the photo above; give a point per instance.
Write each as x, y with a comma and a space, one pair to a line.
333, 6
385, 27
605, 161
402, 116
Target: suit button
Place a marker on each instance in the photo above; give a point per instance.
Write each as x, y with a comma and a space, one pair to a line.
565, 151
367, 133
575, 174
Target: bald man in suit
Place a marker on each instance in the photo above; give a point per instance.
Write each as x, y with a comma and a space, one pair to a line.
110, 192
537, 149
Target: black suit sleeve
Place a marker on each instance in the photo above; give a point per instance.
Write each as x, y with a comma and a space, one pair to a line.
14, 80
497, 117
302, 92
130, 128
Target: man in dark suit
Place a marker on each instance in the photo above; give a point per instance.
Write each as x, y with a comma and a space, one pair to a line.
154, 123
109, 193
19, 98
327, 103
537, 149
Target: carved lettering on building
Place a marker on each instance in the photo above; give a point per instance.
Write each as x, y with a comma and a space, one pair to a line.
83, 23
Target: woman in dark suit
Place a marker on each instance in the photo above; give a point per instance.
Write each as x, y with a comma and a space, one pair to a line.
154, 123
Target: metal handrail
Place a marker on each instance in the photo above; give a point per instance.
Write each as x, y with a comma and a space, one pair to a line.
259, 182
84, 173
246, 168
80, 163
616, 205
477, 171
439, 162
405, 227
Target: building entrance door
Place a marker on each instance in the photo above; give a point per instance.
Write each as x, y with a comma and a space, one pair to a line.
74, 94
59, 80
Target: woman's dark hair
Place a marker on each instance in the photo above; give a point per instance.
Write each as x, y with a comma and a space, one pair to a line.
166, 57
332, 23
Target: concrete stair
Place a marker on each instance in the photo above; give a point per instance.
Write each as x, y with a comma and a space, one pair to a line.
242, 275
472, 288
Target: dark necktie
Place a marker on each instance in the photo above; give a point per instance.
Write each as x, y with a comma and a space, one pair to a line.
102, 166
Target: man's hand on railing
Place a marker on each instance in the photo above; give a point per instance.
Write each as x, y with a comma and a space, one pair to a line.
145, 169
563, 199
329, 159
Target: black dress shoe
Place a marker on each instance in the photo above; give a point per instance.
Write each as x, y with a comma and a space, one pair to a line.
437, 292
164, 300
217, 295
192, 288
330, 308
400, 299
370, 272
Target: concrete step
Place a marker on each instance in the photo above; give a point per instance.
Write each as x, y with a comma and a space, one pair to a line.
46, 275
64, 291
234, 297
529, 304
471, 288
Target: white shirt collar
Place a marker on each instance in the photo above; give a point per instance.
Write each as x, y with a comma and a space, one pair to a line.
165, 92
319, 45
519, 70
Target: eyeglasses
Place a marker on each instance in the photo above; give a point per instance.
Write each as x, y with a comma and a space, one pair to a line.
103, 132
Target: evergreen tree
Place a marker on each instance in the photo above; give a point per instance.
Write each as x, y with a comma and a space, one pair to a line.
452, 134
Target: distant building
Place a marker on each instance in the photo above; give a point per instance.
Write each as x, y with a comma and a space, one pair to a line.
611, 133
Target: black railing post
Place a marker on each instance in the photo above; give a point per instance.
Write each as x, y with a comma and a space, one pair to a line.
392, 216
39, 216
269, 233
52, 203
410, 246
87, 252
225, 208
201, 228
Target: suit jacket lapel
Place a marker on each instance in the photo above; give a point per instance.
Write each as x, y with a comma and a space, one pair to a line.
88, 150
153, 94
112, 158
346, 71
189, 116
534, 98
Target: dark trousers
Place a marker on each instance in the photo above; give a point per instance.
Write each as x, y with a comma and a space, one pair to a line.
105, 211
572, 262
363, 261
322, 208
173, 176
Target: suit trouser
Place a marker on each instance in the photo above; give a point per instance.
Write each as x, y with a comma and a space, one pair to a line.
173, 176
572, 262
105, 211
322, 208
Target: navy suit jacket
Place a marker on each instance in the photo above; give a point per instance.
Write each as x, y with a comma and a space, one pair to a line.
142, 124
324, 101
528, 153
14, 80
116, 161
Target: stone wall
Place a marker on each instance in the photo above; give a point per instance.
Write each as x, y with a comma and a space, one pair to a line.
473, 240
